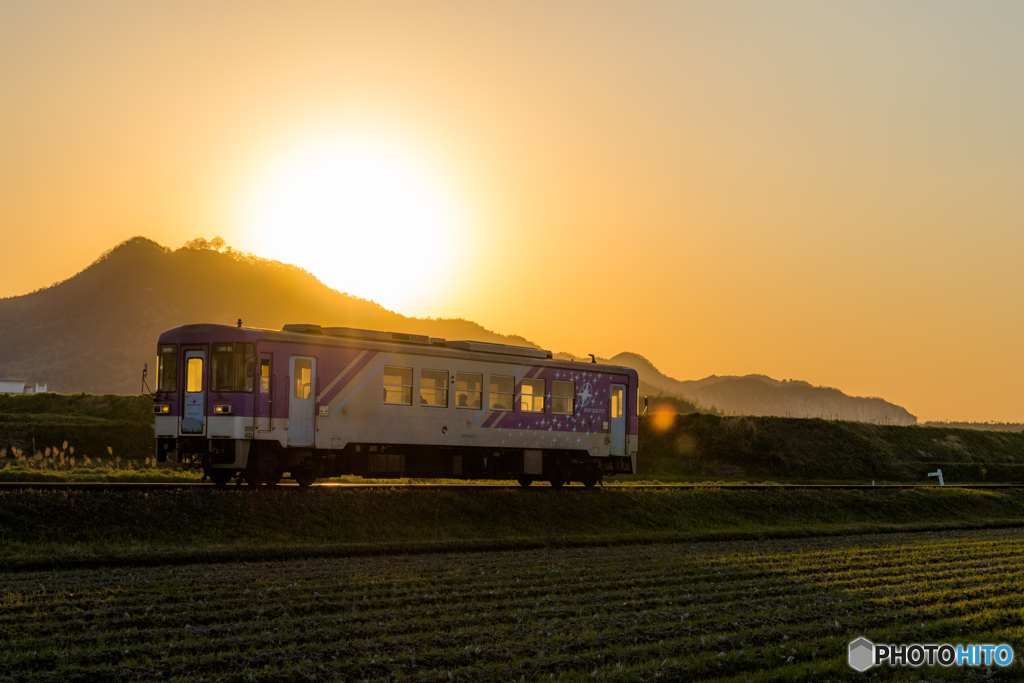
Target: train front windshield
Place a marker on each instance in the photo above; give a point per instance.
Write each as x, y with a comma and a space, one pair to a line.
228, 367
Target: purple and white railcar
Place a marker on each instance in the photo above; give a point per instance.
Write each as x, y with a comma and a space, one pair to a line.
315, 402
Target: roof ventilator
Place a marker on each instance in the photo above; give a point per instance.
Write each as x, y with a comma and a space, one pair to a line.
303, 328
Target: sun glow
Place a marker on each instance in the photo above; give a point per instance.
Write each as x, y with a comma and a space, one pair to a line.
364, 217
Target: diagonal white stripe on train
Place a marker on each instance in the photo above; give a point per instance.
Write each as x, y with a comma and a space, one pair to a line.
486, 412
483, 412
344, 372
522, 372
359, 386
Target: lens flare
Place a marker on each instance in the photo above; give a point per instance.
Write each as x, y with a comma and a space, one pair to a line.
663, 417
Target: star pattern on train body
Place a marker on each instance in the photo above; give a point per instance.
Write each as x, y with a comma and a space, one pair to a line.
585, 395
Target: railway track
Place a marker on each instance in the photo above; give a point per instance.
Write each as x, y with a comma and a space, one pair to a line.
163, 486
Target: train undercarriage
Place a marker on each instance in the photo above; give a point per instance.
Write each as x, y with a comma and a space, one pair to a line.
267, 463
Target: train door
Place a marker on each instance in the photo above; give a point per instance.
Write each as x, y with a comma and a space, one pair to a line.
301, 404
618, 418
193, 413
264, 393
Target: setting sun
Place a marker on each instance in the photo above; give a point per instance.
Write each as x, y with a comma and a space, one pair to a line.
363, 216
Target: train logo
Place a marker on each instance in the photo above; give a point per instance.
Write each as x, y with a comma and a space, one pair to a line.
586, 395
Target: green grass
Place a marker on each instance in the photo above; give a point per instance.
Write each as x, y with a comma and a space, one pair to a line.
702, 446
52, 529
89, 423
740, 611
14, 473
116, 407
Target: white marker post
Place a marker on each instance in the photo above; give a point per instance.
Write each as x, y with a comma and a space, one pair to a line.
937, 473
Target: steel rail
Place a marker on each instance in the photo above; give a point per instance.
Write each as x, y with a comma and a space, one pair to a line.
166, 486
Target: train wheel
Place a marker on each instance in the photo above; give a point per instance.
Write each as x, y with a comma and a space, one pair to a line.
589, 479
303, 476
557, 481
252, 476
524, 481
221, 477
275, 478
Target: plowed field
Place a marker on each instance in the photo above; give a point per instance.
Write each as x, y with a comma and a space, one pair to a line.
769, 610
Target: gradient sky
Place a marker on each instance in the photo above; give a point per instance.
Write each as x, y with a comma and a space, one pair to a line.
813, 190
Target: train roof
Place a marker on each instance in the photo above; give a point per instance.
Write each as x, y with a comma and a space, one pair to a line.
421, 339
295, 332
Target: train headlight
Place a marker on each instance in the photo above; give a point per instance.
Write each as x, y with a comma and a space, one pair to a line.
161, 410
222, 410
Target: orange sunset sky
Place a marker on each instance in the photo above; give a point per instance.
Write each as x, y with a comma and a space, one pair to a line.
824, 191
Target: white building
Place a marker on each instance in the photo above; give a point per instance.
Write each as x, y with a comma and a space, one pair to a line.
12, 386
18, 386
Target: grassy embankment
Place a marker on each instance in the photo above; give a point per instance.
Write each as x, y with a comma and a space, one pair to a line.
700, 446
93, 425
53, 529
79, 437
111, 438
63, 529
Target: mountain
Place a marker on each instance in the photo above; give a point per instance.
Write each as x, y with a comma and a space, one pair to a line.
94, 331
761, 395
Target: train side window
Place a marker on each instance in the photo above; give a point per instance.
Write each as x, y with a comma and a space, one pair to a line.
398, 385
532, 398
469, 390
617, 402
265, 376
503, 392
167, 367
303, 378
434, 388
194, 375
563, 397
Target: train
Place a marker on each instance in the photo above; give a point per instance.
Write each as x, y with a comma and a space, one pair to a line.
309, 402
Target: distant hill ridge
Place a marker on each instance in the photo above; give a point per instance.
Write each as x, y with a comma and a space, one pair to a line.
93, 331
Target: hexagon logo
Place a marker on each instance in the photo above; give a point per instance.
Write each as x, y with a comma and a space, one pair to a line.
862, 654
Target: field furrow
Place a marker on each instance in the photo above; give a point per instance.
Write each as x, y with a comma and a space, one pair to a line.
745, 610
